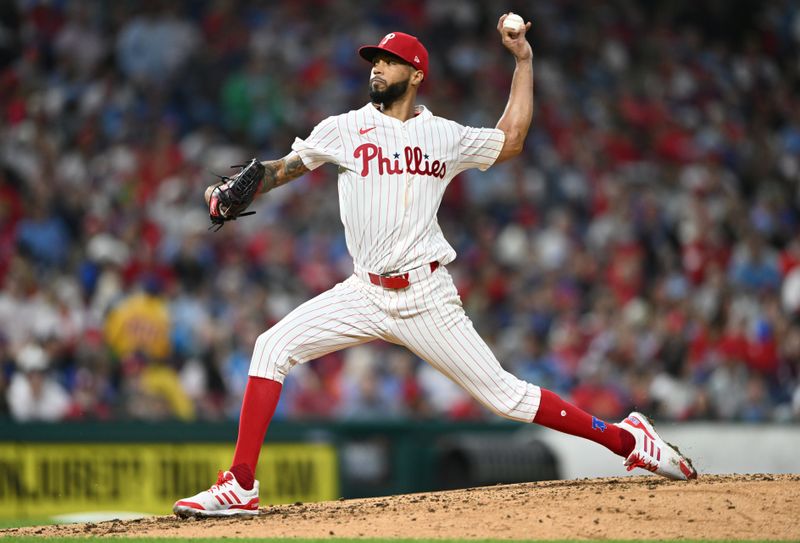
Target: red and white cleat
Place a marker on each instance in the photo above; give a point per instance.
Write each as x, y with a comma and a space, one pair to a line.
653, 453
225, 498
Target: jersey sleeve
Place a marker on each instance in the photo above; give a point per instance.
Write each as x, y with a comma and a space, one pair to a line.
323, 145
479, 147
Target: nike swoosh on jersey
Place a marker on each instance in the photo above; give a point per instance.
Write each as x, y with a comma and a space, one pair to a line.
363, 131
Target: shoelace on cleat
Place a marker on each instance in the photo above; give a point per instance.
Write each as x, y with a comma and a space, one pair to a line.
221, 481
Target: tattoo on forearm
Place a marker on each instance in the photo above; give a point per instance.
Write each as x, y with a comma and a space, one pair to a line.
270, 175
280, 172
293, 168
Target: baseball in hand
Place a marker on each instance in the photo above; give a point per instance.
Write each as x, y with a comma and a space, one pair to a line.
513, 22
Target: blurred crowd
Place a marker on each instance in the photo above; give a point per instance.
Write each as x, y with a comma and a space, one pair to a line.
644, 251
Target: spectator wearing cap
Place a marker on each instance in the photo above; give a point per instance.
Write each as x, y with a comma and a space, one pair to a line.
33, 394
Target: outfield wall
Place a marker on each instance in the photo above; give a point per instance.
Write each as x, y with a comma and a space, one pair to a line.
44, 479
60, 469
713, 448
128, 468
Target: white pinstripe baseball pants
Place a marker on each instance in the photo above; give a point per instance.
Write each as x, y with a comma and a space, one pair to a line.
427, 318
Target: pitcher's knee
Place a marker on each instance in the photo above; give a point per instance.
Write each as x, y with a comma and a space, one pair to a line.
518, 403
271, 358
510, 412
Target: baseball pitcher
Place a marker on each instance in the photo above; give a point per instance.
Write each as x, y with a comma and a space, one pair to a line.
395, 160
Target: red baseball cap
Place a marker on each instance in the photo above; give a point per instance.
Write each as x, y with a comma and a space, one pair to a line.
405, 46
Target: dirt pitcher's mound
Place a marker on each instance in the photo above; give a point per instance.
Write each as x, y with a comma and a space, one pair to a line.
713, 507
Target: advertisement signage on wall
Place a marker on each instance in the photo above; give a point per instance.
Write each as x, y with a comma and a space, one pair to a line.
45, 479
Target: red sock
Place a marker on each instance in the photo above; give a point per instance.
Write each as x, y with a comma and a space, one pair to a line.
244, 476
259, 403
559, 415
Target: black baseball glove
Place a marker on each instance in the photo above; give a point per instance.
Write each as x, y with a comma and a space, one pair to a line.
233, 195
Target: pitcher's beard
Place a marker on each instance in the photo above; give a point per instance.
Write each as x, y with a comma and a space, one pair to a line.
389, 95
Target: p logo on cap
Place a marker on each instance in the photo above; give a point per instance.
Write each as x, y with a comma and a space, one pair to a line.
402, 45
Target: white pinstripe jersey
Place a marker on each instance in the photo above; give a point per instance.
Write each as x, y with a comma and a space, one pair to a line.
392, 176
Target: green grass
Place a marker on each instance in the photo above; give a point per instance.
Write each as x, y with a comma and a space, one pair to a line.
351, 540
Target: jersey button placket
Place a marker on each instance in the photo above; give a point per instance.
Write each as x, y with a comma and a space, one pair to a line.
399, 246
407, 191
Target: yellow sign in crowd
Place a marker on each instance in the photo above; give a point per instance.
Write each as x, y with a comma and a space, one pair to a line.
47, 479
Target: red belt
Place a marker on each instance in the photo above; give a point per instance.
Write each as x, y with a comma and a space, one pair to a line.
395, 282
